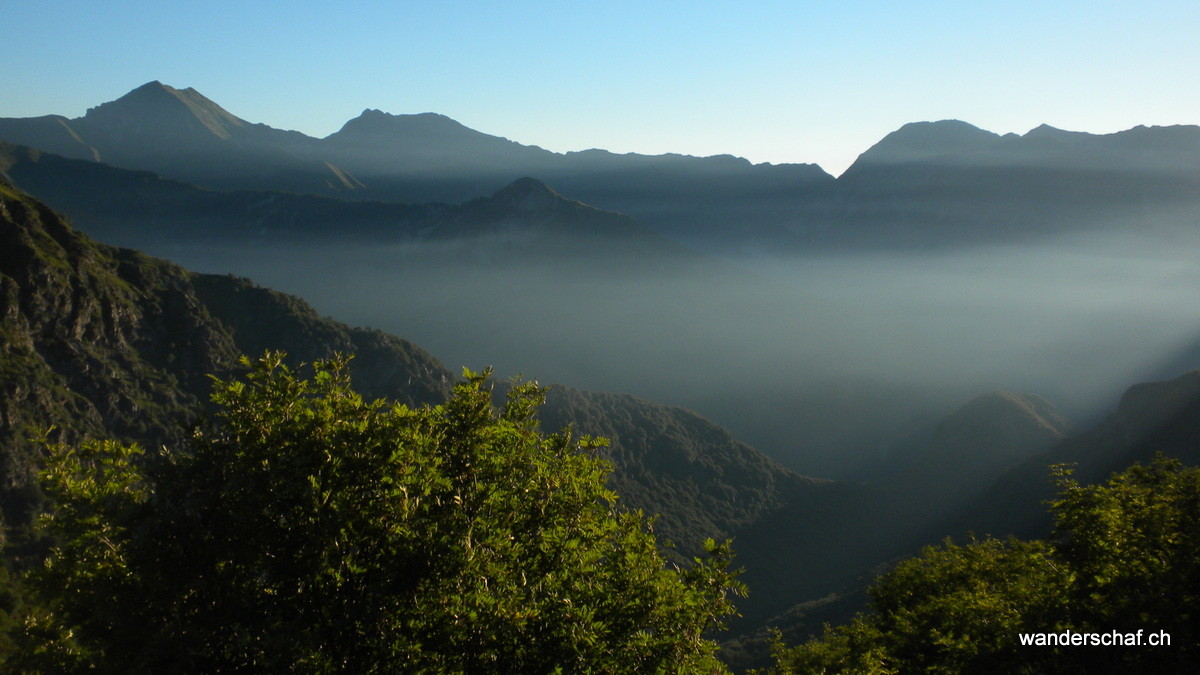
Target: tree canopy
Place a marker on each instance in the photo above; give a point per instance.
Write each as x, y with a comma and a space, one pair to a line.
305, 528
1124, 558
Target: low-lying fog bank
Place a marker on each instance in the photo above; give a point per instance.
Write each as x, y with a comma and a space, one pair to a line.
820, 360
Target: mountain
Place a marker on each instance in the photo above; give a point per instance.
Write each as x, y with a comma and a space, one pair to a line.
956, 143
984, 469
947, 182
139, 209
104, 341
529, 217
1151, 418
925, 184
51, 133
988, 434
937, 470
928, 184
425, 143
524, 223
183, 135
924, 142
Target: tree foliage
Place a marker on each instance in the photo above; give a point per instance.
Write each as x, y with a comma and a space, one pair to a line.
308, 529
1125, 556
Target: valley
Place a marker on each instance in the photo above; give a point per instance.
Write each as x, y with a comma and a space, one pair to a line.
833, 372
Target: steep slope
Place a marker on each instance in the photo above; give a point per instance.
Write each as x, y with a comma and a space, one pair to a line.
987, 435
693, 473
984, 469
1150, 418
106, 341
141, 210
933, 474
184, 135
51, 133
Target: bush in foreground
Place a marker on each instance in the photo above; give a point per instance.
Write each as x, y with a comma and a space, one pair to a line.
307, 529
1125, 557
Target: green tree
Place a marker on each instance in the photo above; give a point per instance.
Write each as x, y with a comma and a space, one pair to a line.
1124, 556
307, 529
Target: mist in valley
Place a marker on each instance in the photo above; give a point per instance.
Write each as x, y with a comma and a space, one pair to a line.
822, 360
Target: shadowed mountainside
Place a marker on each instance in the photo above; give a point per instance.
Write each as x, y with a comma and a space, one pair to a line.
1151, 418
142, 210
928, 184
422, 158
102, 341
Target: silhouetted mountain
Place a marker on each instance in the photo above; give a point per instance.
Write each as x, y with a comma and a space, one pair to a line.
183, 135
919, 142
524, 221
936, 183
423, 158
991, 432
925, 480
141, 210
926, 184
955, 143
155, 111
51, 133
529, 217
1151, 418
937, 470
379, 144
944, 483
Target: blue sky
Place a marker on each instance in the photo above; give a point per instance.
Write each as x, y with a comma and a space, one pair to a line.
771, 81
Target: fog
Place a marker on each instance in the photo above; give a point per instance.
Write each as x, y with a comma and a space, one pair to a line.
820, 360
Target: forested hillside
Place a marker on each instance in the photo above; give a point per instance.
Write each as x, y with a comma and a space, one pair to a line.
102, 341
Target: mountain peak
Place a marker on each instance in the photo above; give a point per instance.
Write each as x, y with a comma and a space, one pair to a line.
919, 141
1044, 130
526, 186
373, 121
1014, 422
161, 109
151, 86
528, 194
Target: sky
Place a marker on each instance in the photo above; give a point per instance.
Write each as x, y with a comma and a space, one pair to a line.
772, 81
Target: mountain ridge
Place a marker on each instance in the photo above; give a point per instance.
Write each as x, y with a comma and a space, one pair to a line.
925, 184
109, 342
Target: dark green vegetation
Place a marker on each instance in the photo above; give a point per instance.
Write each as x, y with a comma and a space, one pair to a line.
307, 529
100, 341
1153, 418
104, 342
848, 360
1124, 556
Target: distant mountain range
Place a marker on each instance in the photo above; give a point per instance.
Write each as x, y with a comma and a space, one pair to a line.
926, 184
140, 209
107, 341
182, 135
